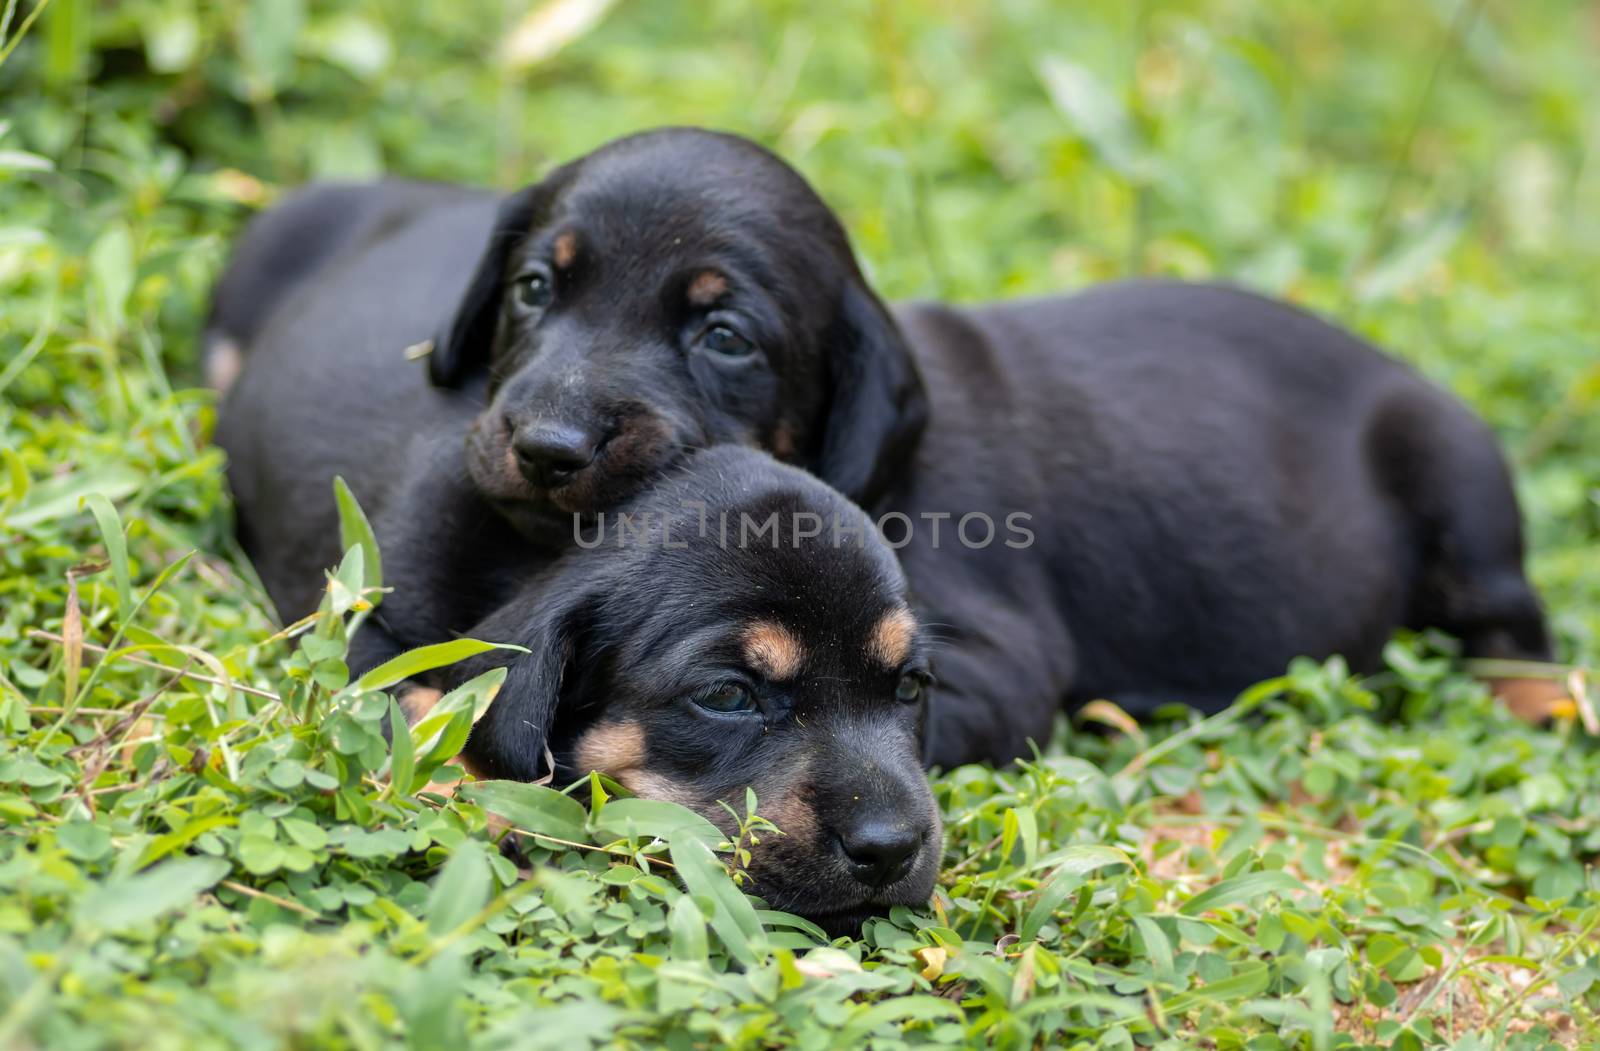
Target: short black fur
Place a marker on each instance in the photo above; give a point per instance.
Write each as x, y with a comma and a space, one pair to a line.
1215, 482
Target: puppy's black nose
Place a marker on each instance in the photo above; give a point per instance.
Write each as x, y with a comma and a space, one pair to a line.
881, 851
549, 454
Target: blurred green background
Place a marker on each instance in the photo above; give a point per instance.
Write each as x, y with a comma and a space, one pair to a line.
1425, 172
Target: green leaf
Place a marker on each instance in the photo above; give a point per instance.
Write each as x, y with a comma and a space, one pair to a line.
17, 475
532, 808
260, 855
287, 773
1082, 859
84, 840
402, 761
688, 928
425, 658
1051, 895
1156, 946
105, 515
1410, 261
1096, 114
1250, 979
653, 818
306, 833
111, 276
461, 889
447, 745
67, 37
266, 39
867, 1019
357, 45
345, 582
1241, 889
1027, 824
472, 698
732, 916
171, 37
355, 530
123, 903
60, 497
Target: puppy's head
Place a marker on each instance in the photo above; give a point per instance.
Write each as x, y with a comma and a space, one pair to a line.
674, 290
695, 661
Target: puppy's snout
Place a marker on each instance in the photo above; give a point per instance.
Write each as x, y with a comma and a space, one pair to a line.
549, 453
881, 851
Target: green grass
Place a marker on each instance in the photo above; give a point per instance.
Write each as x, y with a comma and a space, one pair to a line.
201, 850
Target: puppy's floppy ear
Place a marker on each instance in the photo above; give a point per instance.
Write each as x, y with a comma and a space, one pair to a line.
509, 740
877, 405
463, 345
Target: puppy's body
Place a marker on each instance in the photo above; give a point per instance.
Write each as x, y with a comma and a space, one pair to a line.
633, 643
1216, 483
327, 390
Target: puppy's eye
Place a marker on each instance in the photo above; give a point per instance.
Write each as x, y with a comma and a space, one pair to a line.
726, 698
909, 689
535, 291
720, 339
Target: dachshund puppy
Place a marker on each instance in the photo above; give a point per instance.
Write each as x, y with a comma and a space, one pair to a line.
709, 639
705, 639
1146, 492
1217, 483
669, 292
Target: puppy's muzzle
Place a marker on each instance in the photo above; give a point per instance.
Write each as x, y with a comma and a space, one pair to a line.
880, 852
550, 454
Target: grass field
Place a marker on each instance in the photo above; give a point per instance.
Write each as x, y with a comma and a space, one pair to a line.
207, 843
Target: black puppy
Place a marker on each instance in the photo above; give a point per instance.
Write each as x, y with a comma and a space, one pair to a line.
1182, 487
692, 657
670, 292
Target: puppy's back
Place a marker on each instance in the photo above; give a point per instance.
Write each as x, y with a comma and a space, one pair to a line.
322, 320
293, 241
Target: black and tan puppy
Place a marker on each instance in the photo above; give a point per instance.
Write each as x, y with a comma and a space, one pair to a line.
1210, 483
689, 658
677, 649
670, 292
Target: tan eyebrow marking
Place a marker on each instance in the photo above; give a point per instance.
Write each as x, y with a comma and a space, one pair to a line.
772, 650
707, 287
890, 643
566, 250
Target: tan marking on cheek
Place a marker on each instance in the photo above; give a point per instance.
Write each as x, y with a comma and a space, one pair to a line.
707, 287
566, 250
614, 749
772, 650
618, 751
890, 643
417, 702
647, 785
793, 815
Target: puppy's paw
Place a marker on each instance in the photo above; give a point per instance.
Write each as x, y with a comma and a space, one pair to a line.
223, 362
1534, 700
417, 701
